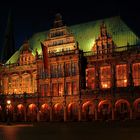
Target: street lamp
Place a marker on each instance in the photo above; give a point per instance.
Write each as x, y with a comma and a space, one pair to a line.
8, 111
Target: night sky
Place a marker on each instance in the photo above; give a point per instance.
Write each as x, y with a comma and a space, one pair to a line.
34, 16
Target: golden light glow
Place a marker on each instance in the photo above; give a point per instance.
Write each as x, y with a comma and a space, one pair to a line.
125, 81
105, 86
8, 102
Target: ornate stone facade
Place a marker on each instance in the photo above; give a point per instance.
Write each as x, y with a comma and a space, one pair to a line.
66, 84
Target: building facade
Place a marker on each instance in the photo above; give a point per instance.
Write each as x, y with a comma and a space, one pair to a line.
64, 83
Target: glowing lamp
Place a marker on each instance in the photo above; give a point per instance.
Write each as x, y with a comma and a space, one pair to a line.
8, 102
125, 81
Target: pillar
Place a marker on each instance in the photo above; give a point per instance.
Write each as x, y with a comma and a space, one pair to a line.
96, 114
25, 115
65, 114
38, 116
113, 116
51, 114
131, 114
80, 113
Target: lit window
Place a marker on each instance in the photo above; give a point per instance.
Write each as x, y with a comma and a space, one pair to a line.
121, 75
90, 78
105, 77
136, 74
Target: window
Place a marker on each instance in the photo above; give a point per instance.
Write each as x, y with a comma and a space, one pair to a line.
68, 88
74, 88
60, 89
90, 78
74, 66
60, 70
136, 74
105, 77
46, 89
121, 75
67, 69
54, 89
53, 71
42, 90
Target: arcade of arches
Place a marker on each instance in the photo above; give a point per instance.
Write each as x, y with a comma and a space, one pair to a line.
75, 111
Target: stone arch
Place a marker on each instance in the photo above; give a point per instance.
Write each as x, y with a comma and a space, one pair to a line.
73, 111
9, 112
88, 110
20, 112
122, 109
32, 112
136, 106
104, 109
44, 112
58, 112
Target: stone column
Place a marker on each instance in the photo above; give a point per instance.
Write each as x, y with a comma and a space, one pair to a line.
38, 115
131, 114
113, 116
80, 113
51, 114
96, 114
25, 114
65, 113
14, 115
32, 86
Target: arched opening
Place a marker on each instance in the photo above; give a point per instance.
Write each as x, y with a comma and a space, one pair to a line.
45, 113
58, 112
32, 113
137, 108
9, 113
104, 109
20, 112
122, 108
73, 112
88, 110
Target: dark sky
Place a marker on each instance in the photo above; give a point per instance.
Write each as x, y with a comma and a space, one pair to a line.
32, 16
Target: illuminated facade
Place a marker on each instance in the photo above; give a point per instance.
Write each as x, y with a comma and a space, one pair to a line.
64, 83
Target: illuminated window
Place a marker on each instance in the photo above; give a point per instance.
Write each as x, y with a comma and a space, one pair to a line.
74, 88
60, 89
90, 78
136, 74
54, 89
105, 77
68, 88
121, 75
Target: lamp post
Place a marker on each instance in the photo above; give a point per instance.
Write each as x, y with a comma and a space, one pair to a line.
8, 111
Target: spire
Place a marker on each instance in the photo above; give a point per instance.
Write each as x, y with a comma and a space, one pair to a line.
58, 21
9, 43
103, 29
